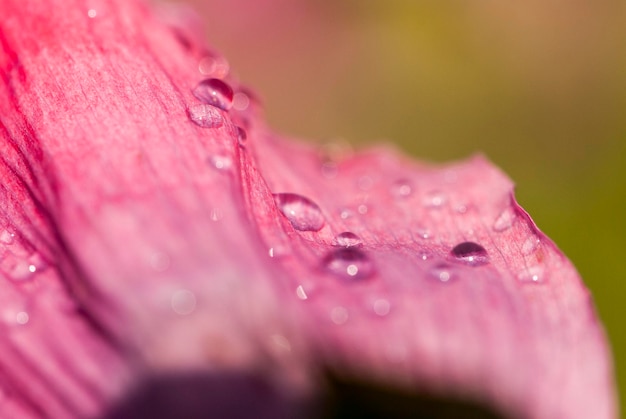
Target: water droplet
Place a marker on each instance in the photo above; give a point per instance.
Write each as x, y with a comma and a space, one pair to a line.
435, 199
221, 162
424, 255
381, 307
206, 116
345, 214
7, 237
22, 317
183, 302
242, 136
349, 264
402, 188
302, 213
339, 315
504, 221
301, 293
241, 101
347, 239
362, 209
533, 275
461, 208
22, 268
442, 273
214, 92
214, 65
216, 214
530, 245
92, 13
471, 253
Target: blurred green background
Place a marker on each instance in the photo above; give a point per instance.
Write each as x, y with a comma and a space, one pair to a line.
538, 86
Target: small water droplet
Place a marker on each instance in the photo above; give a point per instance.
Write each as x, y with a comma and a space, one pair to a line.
216, 214
214, 92
362, 209
242, 136
7, 237
442, 273
92, 13
221, 162
435, 199
470, 253
301, 293
423, 233
533, 275
206, 116
461, 208
381, 307
349, 264
22, 317
347, 239
345, 214
302, 213
339, 315
424, 255
530, 245
183, 302
504, 221
402, 189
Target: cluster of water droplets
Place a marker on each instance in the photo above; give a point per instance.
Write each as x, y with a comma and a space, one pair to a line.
18, 261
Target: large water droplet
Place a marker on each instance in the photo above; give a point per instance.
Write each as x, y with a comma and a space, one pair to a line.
214, 92
471, 253
349, 264
206, 116
302, 213
347, 239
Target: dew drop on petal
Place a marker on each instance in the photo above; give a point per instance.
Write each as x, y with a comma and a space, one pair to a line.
345, 214
470, 253
349, 264
362, 209
242, 136
214, 65
7, 237
221, 162
214, 92
532, 275
205, 116
435, 199
442, 273
301, 293
22, 318
302, 213
402, 189
347, 239
92, 13
339, 315
241, 101
183, 302
504, 221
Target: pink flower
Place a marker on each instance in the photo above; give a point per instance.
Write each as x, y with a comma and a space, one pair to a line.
156, 235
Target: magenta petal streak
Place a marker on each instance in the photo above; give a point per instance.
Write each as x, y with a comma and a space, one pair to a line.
141, 231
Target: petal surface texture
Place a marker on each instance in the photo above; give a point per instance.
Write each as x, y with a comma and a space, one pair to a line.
151, 223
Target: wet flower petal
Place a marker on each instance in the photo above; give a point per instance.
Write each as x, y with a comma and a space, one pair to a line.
141, 237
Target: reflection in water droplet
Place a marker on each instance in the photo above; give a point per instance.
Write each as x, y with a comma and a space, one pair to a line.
402, 188
301, 293
470, 253
214, 92
381, 307
442, 273
302, 213
504, 221
206, 116
22, 317
221, 162
530, 245
347, 239
242, 136
183, 302
349, 264
339, 315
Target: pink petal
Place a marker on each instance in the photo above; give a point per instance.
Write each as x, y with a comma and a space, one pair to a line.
158, 245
